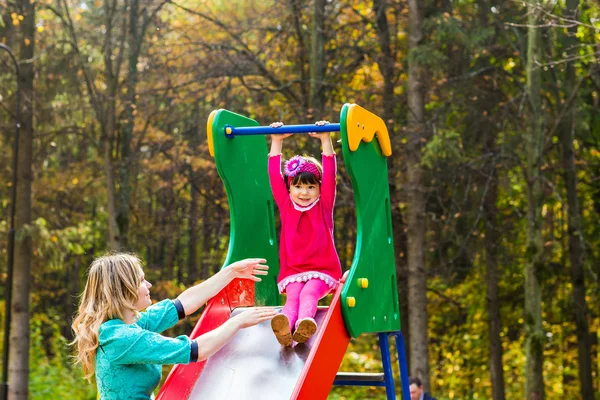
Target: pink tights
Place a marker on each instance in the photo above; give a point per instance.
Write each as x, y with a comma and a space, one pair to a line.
302, 299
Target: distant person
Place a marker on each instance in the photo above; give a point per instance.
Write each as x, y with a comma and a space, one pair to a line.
122, 345
417, 391
309, 265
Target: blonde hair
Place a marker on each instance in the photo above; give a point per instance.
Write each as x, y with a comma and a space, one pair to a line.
111, 289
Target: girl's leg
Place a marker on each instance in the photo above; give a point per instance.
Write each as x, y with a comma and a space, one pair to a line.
290, 309
282, 323
313, 291
306, 326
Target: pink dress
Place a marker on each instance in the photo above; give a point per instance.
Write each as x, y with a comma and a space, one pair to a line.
306, 247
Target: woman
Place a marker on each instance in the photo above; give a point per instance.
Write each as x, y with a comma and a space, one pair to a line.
123, 347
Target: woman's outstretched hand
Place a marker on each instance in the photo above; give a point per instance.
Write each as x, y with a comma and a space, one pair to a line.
249, 268
254, 315
211, 342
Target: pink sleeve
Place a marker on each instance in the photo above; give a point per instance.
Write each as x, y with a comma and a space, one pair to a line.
277, 184
328, 182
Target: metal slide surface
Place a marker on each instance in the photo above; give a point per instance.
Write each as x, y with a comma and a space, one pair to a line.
254, 366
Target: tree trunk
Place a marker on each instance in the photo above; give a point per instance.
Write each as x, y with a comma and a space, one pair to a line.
206, 239
108, 123
386, 62
417, 278
113, 228
193, 230
301, 53
534, 387
134, 41
19, 328
73, 277
317, 71
576, 245
492, 276
194, 179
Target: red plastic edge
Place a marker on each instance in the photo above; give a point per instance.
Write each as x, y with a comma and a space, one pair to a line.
181, 380
323, 364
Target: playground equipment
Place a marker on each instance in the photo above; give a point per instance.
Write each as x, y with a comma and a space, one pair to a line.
253, 365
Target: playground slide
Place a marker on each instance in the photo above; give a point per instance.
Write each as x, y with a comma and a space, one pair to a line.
253, 365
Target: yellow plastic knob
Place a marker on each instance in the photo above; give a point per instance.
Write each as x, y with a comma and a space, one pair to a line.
363, 283
228, 130
351, 301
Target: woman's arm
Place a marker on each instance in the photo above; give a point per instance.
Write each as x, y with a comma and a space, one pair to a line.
213, 341
130, 344
193, 298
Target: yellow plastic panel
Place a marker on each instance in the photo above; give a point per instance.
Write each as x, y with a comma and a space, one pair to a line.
209, 133
362, 125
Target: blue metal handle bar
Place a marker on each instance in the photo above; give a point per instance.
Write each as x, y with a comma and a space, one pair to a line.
267, 130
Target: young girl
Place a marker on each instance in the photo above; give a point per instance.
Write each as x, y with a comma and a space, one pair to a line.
310, 267
123, 347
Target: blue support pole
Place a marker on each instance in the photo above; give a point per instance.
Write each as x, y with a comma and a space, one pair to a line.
387, 365
231, 131
403, 365
339, 382
387, 378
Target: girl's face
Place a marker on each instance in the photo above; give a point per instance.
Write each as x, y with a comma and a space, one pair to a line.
304, 194
144, 300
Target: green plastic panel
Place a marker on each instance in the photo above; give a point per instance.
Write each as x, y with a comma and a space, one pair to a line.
242, 165
376, 308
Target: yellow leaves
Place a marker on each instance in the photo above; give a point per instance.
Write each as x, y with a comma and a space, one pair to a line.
16, 19
509, 65
40, 29
27, 41
75, 181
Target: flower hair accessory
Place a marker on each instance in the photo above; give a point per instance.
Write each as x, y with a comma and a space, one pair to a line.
298, 164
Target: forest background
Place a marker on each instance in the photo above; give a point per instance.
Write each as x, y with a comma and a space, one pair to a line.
492, 108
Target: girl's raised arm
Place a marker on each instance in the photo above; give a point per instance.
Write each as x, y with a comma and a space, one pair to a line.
277, 139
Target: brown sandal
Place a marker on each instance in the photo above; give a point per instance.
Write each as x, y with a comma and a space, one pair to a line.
305, 328
281, 328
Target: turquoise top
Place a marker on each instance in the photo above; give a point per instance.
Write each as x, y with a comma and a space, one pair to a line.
129, 357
